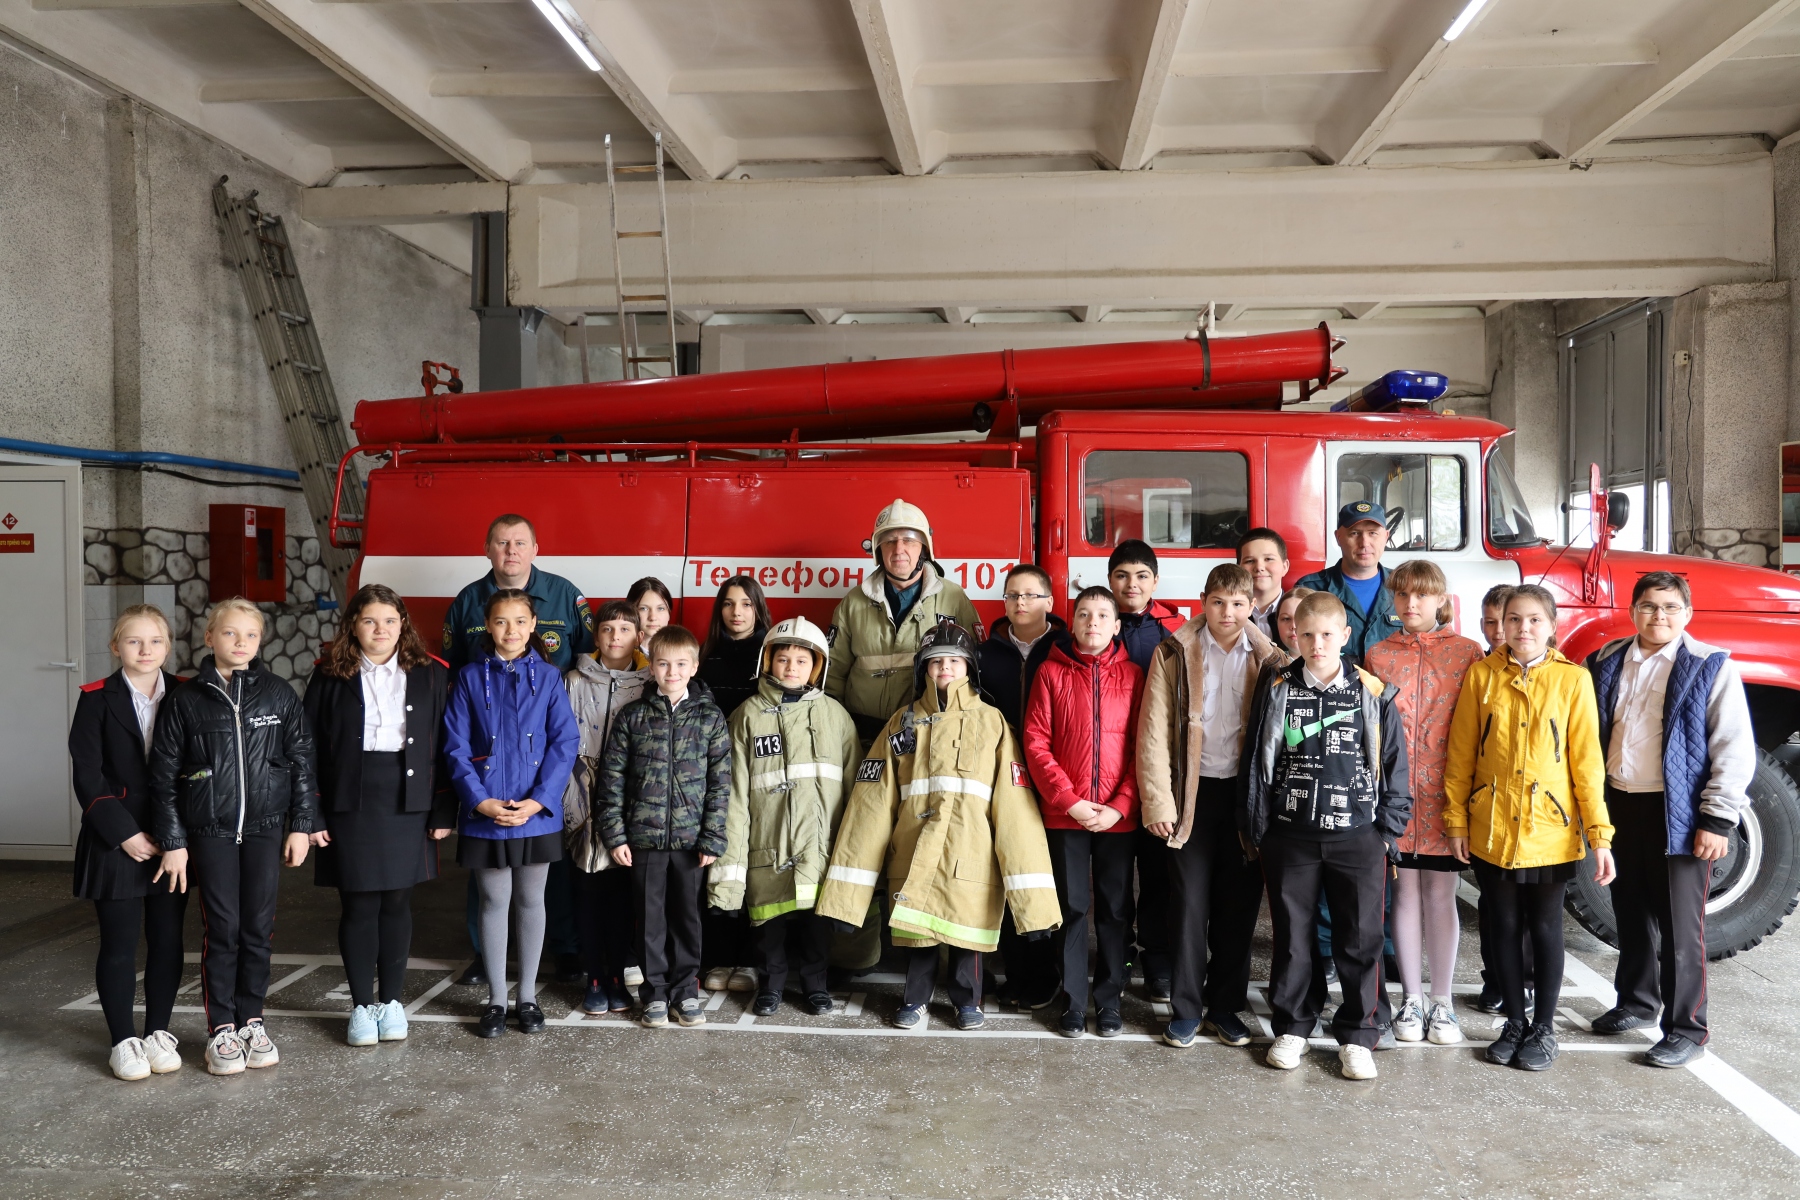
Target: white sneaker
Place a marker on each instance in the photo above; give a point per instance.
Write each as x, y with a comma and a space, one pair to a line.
159, 1048
743, 979
362, 1030
1441, 1025
1286, 1051
390, 1020
717, 979
128, 1061
1356, 1062
259, 1051
1409, 1020
633, 977
225, 1053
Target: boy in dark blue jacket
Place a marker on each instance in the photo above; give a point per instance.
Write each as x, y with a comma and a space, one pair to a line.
663, 788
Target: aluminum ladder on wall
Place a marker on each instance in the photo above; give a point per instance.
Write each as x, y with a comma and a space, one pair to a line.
256, 244
632, 305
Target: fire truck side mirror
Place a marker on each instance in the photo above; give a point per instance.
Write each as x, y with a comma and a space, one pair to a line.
1618, 510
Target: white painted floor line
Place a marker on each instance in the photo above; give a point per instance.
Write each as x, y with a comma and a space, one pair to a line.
850, 1007
291, 976
716, 1003
433, 992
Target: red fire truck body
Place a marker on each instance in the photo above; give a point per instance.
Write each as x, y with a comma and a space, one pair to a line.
796, 516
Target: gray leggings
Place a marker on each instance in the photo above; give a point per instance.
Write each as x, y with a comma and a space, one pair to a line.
523, 889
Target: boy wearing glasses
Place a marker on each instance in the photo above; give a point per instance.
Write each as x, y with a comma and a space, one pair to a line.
1680, 753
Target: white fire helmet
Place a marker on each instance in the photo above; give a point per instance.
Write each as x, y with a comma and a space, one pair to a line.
796, 631
897, 516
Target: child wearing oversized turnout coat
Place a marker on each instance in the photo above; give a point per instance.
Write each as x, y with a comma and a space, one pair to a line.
792, 748
943, 803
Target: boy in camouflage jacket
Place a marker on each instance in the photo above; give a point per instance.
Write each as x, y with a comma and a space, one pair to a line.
660, 798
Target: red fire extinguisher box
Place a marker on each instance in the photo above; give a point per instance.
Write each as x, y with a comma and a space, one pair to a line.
249, 551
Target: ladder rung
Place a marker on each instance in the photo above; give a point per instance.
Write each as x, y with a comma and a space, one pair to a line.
291, 318
628, 298
625, 233
650, 358
304, 366
633, 170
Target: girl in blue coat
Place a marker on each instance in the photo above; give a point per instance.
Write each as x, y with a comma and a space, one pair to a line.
510, 740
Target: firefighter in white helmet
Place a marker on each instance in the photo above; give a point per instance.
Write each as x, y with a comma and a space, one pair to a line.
793, 751
877, 628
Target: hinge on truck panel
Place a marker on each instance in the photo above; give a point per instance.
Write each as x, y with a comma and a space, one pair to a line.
965, 481
627, 478
422, 479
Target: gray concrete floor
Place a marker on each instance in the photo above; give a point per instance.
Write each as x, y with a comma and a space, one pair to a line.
603, 1109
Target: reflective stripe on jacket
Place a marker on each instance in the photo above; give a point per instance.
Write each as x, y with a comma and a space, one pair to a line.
1525, 776
871, 670
1425, 671
943, 805
791, 764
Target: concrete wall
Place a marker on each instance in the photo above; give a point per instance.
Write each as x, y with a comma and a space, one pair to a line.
1526, 394
123, 327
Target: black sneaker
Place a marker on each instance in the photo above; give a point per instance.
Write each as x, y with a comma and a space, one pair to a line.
1490, 1001
1331, 975
1673, 1051
531, 1018
819, 1004
472, 976
1158, 989
1110, 1024
1227, 1028
492, 1023
1539, 1049
1503, 1049
765, 1004
1072, 1024
1042, 996
596, 1000
618, 997
1617, 1020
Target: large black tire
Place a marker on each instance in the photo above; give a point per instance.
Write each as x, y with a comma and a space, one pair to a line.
1754, 887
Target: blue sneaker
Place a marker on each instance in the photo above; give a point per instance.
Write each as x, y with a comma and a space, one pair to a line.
970, 1017
390, 1019
1181, 1034
363, 1028
595, 999
910, 1016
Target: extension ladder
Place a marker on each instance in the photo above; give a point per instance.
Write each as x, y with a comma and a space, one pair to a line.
632, 305
256, 243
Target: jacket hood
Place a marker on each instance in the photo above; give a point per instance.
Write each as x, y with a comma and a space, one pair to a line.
795, 631
1002, 629
206, 670
960, 695
1067, 651
946, 633
1692, 644
590, 667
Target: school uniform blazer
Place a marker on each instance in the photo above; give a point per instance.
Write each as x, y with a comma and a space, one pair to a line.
112, 778
334, 710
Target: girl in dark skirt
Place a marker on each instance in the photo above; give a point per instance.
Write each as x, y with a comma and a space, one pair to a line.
115, 858
510, 741
375, 705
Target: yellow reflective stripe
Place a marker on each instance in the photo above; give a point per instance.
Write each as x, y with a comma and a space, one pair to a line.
804, 895
947, 783
723, 874
912, 916
1018, 883
883, 662
855, 876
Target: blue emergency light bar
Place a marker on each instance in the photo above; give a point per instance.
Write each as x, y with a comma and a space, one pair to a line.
1395, 389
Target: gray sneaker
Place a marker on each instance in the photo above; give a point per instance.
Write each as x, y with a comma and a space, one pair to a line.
225, 1053
259, 1051
689, 1013
655, 1016
1409, 1020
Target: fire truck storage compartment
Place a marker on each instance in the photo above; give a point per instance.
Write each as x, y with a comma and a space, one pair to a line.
249, 552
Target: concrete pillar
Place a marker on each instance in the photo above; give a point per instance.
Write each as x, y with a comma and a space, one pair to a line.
1522, 363
509, 335
1787, 266
1727, 383
127, 170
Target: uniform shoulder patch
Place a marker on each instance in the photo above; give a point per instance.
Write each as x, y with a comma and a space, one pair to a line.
831, 636
1020, 779
434, 658
870, 771
94, 686
903, 741
766, 745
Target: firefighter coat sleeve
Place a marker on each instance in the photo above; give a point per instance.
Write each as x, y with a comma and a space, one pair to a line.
1020, 844
837, 668
863, 834
726, 879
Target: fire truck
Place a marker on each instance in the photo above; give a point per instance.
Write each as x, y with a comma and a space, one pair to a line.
1184, 443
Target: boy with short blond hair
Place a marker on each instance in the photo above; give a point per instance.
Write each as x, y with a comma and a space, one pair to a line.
1325, 797
663, 791
1190, 733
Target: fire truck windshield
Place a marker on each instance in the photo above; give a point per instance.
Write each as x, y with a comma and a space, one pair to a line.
1509, 520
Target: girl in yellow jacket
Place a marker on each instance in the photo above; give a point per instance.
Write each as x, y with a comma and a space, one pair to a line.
1524, 781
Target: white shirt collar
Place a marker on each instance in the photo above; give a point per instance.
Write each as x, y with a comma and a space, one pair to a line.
1241, 645
1317, 685
389, 668
1636, 651
156, 693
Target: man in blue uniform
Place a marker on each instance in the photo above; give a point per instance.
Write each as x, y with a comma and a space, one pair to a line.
1358, 578
566, 624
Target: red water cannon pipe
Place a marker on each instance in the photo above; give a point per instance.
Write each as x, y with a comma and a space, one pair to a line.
870, 399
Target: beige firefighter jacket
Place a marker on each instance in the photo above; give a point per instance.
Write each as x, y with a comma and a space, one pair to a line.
871, 657
944, 807
790, 770
1169, 726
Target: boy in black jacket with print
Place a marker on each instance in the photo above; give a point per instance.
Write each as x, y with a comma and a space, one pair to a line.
1324, 797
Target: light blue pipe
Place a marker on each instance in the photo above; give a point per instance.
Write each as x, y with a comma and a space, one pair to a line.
135, 458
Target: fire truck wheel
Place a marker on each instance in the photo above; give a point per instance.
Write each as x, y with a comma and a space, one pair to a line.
1754, 887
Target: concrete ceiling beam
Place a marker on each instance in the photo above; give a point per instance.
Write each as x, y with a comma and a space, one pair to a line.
1324, 60
890, 42
550, 85
1713, 32
403, 204
276, 89
1128, 142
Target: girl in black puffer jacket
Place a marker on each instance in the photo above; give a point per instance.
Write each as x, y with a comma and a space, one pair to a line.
232, 788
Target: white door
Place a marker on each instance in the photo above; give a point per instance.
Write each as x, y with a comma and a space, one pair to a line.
37, 657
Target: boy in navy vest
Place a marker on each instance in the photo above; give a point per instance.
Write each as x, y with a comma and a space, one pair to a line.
1680, 753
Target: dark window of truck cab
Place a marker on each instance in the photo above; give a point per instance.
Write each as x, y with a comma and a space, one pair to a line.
1172, 499
1424, 495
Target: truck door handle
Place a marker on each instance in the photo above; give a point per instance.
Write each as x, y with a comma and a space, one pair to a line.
1056, 534
68, 666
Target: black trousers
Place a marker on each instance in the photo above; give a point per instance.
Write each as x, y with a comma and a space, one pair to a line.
1490, 949
964, 984
158, 917
1659, 902
1093, 880
237, 884
811, 942
375, 933
665, 886
1029, 967
1352, 872
725, 940
1214, 893
605, 922
1153, 955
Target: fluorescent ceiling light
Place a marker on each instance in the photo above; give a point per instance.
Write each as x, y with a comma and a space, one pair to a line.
1463, 18
565, 22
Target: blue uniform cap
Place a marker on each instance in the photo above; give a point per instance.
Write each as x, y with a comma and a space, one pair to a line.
1361, 510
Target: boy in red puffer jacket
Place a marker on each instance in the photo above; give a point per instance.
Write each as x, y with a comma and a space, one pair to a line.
1080, 744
